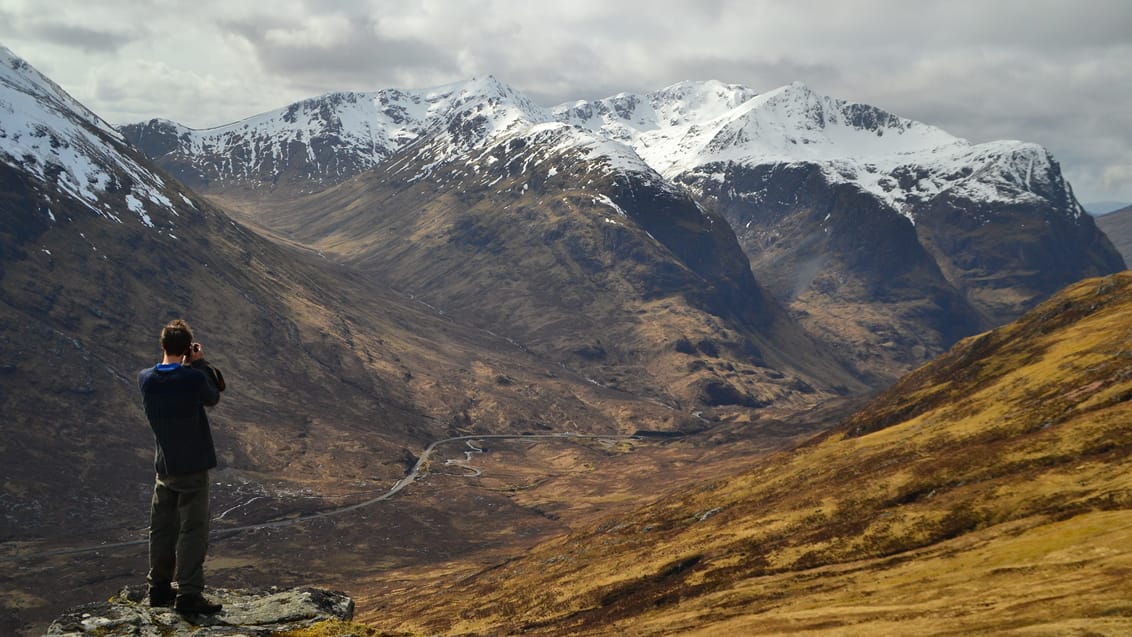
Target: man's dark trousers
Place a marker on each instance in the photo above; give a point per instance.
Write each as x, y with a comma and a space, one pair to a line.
178, 531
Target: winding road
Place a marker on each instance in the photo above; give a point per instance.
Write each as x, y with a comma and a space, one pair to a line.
399, 486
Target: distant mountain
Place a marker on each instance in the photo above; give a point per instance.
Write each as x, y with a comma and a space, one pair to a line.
988, 479
1118, 226
572, 246
319, 142
888, 238
880, 232
1099, 208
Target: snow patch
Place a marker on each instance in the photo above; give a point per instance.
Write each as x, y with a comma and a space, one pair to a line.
46, 133
690, 129
604, 199
138, 208
695, 128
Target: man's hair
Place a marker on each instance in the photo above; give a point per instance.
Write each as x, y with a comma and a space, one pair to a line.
176, 338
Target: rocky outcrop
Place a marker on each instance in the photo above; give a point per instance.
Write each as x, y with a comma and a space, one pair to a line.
250, 613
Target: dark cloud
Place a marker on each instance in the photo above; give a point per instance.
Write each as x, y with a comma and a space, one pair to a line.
86, 40
83, 38
353, 53
61, 31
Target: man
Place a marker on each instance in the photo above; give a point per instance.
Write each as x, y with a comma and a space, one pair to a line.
175, 393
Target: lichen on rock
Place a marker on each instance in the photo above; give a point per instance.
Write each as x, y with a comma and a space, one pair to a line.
250, 613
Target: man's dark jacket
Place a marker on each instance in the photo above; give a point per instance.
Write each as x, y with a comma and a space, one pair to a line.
175, 397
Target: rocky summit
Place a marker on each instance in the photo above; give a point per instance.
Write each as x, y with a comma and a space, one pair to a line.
247, 613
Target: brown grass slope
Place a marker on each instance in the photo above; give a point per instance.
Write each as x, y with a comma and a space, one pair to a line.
986, 493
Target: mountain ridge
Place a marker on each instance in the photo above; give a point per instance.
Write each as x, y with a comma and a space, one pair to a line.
783, 112
855, 143
542, 250
739, 154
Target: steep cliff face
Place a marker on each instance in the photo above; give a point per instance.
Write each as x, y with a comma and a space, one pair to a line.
959, 259
878, 231
852, 270
1023, 235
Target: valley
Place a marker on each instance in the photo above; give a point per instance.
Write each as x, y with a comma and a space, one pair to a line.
440, 519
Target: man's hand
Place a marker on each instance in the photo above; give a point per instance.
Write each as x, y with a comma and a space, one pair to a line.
196, 352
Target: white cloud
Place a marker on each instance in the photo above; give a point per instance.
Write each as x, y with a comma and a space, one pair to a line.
1118, 175
316, 31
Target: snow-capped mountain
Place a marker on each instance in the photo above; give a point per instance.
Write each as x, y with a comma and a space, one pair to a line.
688, 131
560, 236
836, 204
47, 133
816, 187
691, 128
323, 140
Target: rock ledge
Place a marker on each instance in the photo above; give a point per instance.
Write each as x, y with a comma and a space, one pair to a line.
249, 613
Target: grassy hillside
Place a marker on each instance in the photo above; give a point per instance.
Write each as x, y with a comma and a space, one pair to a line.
988, 492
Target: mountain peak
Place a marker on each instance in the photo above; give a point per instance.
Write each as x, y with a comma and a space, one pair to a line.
795, 88
689, 126
16, 74
48, 134
489, 82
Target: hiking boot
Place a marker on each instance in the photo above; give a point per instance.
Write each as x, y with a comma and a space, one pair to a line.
195, 604
161, 596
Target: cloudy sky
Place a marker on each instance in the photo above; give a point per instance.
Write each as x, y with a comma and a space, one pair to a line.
1058, 73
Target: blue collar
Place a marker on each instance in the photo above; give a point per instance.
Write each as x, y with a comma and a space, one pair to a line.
167, 367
